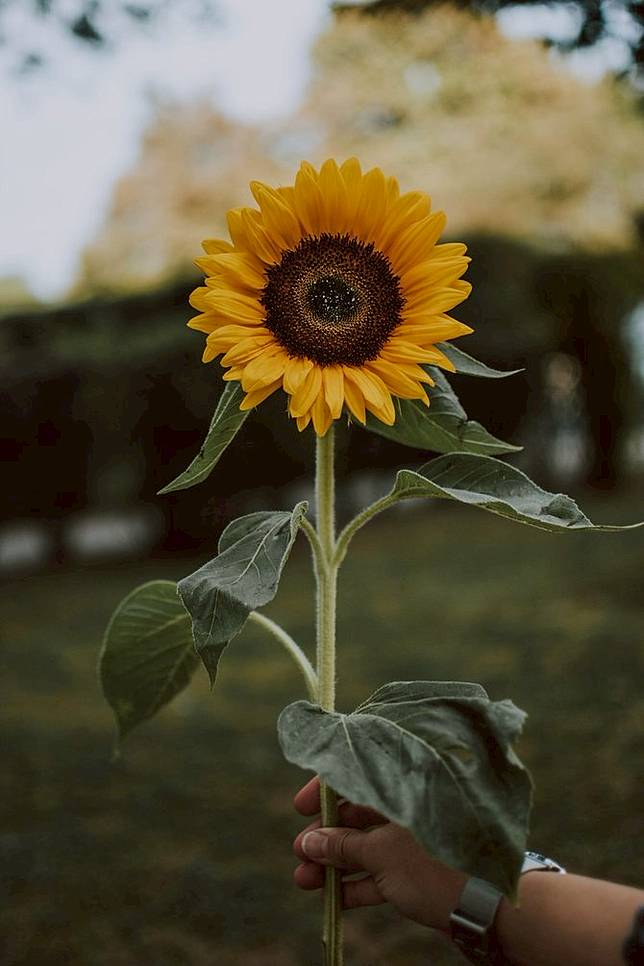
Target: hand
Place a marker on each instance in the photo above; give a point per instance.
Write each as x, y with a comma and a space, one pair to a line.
397, 868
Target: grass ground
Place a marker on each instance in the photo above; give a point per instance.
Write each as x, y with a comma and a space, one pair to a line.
180, 853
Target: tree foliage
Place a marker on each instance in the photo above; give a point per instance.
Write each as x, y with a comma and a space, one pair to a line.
596, 19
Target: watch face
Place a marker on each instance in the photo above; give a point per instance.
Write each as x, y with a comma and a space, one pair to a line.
535, 861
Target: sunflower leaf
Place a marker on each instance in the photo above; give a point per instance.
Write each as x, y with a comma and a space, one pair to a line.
225, 423
434, 757
497, 487
244, 575
148, 655
442, 427
469, 366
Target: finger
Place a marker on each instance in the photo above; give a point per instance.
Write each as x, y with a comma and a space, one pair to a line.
297, 847
297, 843
307, 800
349, 815
360, 892
309, 875
343, 848
359, 816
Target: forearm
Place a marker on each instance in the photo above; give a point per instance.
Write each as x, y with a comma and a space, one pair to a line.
567, 919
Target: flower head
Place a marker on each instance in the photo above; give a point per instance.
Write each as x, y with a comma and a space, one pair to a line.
335, 290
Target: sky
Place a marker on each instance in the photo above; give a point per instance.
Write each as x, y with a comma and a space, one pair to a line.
73, 127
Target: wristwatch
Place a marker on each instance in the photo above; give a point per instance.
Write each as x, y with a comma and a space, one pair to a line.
472, 922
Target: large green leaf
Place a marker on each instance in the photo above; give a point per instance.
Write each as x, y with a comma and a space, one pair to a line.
495, 486
434, 757
442, 426
148, 655
469, 366
225, 423
244, 575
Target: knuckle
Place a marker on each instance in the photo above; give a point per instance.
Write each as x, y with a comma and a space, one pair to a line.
346, 843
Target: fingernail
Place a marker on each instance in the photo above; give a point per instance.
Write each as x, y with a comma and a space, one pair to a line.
314, 845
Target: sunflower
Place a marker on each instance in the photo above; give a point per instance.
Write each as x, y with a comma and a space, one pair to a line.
335, 290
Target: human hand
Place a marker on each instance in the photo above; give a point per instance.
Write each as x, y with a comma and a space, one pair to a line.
397, 868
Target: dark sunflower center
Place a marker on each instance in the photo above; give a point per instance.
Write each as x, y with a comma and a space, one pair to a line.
333, 299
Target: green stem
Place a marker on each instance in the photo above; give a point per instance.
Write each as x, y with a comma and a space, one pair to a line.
296, 652
359, 521
316, 547
326, 573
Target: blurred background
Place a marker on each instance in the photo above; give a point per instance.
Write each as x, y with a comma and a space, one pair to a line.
129, 128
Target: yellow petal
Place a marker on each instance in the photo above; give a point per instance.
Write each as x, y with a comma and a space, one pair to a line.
213, 246
396, 380
372, 205
448, 250
209, 354
236, 230
370, 385
236, 268
295, 372
385, 412
198, 299
404, 353
352, 176
236, 305
205, 322
306, 394
308, 202
257, 396
433, 330
232, 333
416, 242
264, 369
354, 400
335, 198
414, 371
440, 359
288, 194
393, 192
322, 418
260, 240
440, 301
307, 168
245, 350
333, 381
433, 272
235, 372
411, 207
303, 421
279, 220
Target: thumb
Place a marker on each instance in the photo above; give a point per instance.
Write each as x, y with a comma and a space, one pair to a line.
343, 847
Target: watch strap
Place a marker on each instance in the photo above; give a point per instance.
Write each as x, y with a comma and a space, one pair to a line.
472, 922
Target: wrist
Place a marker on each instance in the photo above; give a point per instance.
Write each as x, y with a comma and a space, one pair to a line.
477, 923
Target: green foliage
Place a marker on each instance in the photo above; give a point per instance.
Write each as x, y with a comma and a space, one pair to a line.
244, 575
495, 486
226, 421
148, 655
435, 757
469, 366
443, 426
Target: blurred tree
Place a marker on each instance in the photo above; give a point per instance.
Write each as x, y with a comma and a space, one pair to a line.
503, 139
597, 20
31, 29
194, 165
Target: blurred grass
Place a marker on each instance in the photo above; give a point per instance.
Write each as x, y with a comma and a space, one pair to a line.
180, 852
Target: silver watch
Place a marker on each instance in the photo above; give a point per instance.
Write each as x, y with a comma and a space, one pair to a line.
472, 922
